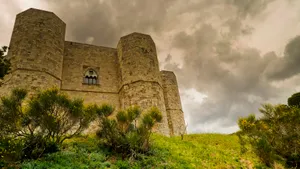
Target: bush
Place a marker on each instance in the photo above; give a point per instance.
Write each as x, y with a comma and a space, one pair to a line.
275, 136
294, 100
125, 134
11, 125
57, 116
50, 117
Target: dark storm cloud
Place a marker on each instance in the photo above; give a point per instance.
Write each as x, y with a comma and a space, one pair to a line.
236, 80
107, 21
287, 66
233, 79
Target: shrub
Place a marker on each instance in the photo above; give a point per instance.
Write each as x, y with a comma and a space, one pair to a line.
41, 126
294, 100
57, 116
275, 136
11, 115
126, 134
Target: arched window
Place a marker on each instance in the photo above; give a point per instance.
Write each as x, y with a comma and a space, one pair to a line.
90, 77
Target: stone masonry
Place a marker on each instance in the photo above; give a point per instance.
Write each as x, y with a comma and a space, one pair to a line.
123, 76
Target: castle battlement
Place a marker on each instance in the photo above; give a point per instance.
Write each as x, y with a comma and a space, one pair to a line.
127, 75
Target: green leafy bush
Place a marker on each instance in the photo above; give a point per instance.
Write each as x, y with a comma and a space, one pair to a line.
275, 136
39, 126
57, 116
11, 114
294, 100
126, 134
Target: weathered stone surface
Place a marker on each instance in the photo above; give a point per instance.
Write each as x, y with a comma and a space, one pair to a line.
145, 95
137, 58
28, 79
127, 75
37, 42
173, 103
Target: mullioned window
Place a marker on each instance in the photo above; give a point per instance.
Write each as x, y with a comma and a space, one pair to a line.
90, 77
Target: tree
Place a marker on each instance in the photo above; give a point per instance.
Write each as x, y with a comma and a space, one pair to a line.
39, 126
4, 62
294, 100
275, 136
127, 134
57, 116
12, 128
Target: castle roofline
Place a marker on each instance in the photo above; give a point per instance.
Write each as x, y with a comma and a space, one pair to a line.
167, 71
42, 11
168, 74
91, 45
135, 34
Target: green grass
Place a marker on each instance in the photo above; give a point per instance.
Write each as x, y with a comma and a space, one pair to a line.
195, 151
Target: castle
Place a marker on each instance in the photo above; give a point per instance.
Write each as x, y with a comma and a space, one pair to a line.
123, 76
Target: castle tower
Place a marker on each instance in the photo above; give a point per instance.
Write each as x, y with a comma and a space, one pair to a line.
36, 51
140, 76
173, 103
123, 76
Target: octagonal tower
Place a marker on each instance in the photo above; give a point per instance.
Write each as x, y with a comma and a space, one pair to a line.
140, 76
36, 50
173, 103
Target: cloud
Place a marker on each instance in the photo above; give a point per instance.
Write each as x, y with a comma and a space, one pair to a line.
107, 21
219, 49
288, 66
237, 79
8, 10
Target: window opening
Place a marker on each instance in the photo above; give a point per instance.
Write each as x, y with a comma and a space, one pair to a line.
90, 77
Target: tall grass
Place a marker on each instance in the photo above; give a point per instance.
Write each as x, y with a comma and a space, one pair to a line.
195, 151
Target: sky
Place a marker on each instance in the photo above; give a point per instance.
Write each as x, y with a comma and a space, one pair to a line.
229, 56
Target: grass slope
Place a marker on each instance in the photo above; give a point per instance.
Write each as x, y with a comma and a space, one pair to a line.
195, 151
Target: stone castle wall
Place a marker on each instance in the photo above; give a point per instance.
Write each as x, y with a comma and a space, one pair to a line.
127, 75
28, 79
173, 103
78, 58
35, 51
140, 76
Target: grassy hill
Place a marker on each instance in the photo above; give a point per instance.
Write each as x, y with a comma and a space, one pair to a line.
195, 151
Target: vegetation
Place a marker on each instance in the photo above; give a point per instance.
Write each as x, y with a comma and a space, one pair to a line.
275, 136
44, 131
125, 134
195, 151
36, 126
294, 100
4, 62
50, 117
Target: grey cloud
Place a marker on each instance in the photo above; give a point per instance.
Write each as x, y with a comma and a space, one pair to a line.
8, 10
107, 21
249, 7
233, 79
228, 76
168, 58
287, 66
